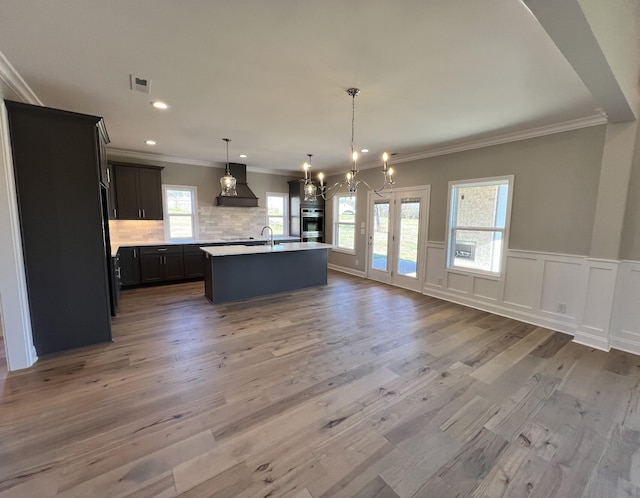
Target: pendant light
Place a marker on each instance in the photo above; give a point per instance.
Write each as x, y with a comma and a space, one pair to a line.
309, 188
228, 181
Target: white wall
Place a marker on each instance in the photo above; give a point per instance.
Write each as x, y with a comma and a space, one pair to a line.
14, 309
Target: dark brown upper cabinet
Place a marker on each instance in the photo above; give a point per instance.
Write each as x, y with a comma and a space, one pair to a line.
138, 192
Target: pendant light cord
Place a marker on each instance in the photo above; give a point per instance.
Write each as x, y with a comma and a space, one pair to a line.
227, 140
353, 122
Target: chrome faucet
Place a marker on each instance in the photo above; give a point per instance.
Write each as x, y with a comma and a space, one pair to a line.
270, 233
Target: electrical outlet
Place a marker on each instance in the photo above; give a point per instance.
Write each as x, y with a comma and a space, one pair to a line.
356, 262
562, 307
439, 280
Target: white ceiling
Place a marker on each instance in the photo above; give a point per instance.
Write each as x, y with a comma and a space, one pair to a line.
272, 75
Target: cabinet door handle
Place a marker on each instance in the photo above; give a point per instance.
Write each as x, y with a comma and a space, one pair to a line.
162, 248
139, 213
115, 213
134, 254
143, 214
108, 175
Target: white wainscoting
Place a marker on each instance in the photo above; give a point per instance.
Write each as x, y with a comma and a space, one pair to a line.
625, 324
596, 301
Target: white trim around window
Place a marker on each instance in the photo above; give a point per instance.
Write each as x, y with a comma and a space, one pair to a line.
278, 212
180, 206
478, 232
344, 221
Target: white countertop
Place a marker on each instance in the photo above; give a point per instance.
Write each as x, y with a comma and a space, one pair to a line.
237, 250
115, 245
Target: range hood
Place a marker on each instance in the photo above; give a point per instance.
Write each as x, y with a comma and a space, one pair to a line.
245, 197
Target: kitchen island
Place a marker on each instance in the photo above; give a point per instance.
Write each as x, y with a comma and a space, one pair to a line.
242, 272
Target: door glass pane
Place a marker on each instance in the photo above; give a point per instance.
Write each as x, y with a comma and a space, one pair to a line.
379, 254
409, 233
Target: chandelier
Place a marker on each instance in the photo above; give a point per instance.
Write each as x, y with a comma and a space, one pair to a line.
352, 181
228, 181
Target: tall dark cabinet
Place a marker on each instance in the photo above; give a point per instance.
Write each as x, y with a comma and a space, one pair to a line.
62, 204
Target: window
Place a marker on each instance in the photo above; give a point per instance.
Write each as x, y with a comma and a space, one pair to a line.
478, 221
180, 210
277, 213
344, 214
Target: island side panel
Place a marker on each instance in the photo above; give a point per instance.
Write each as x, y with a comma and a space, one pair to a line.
243, 276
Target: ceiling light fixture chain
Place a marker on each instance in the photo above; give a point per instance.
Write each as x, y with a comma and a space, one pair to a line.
352, 182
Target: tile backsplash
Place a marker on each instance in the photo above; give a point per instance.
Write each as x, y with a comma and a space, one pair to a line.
216, 222
136, 230
213, 223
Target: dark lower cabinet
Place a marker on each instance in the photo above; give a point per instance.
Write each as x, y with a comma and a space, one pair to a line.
129, 258
161, 264
193, 262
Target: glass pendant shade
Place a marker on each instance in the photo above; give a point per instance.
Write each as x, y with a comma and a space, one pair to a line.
309, 191
228, 181
228, 184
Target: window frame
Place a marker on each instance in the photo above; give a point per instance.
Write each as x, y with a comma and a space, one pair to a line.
452, 214
285, 216
337, 223
194, 216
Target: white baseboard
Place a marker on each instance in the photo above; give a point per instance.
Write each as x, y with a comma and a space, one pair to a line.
592, 341
344, 269
496, 309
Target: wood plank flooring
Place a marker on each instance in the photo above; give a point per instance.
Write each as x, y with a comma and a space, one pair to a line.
356, 389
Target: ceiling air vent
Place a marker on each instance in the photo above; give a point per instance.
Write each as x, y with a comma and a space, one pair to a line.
140, 84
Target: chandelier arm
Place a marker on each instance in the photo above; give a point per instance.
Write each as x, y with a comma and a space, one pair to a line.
328, 193
380, 191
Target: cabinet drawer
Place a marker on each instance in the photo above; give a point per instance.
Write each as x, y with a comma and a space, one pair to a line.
154, 250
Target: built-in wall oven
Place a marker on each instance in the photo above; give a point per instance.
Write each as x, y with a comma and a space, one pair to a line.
312, 224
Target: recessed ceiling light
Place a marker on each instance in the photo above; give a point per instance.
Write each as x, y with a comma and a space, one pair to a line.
150, 142
364, 150
243, 156
158, 104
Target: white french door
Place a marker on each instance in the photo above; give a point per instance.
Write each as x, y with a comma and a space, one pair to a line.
397, 235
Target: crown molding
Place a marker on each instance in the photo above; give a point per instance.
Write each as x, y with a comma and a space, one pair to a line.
115, 153
595, 120
575, 124
14, 81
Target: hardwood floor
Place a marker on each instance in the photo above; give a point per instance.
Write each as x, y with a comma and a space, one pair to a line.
356, 389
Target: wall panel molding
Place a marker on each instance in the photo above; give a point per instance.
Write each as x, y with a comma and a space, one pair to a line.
595, 300
625, 322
